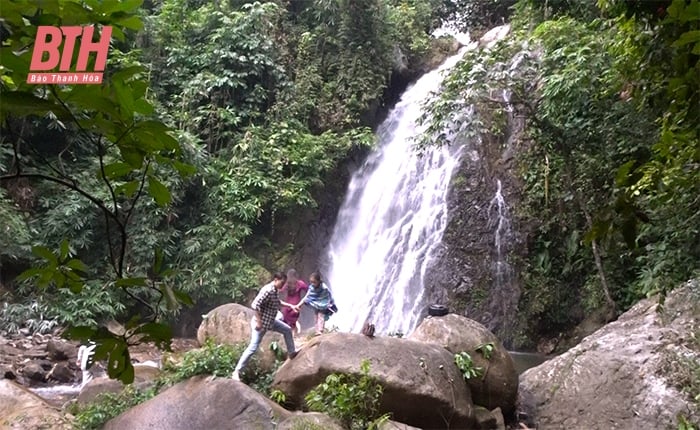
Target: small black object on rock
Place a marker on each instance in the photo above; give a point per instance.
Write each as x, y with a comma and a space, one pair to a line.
368, 329
437, 310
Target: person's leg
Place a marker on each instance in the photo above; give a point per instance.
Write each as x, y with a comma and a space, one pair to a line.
281, 327
320, 322
87, 377
255, 338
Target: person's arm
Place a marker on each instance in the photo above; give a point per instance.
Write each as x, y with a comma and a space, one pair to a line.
258, 320
257, 302
298, 306
286, 304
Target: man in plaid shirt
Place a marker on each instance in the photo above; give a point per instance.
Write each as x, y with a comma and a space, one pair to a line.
266, 305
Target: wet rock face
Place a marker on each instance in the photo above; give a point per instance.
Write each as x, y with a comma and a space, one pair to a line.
624, 375
475, 270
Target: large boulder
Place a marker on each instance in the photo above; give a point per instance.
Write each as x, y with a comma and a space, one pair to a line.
625, 375
201, 403
422, 385
498, 387
230, 324
22, 409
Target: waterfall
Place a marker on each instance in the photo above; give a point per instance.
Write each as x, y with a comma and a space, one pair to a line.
498, 220
392, 219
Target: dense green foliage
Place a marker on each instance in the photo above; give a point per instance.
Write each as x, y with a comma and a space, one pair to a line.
129, 199
611, 175
352, 399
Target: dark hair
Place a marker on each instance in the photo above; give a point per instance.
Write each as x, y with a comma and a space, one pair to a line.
279, 275
316, 276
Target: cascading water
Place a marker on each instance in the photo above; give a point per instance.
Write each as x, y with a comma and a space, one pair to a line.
393, 217
499, 221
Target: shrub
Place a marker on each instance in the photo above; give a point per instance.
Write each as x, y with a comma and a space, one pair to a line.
352, 399
466, 365
109, 405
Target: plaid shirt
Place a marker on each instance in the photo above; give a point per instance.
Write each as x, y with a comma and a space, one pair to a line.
267, 302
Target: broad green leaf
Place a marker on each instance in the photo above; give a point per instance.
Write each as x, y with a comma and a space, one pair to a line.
622, 177
45, 253
30, 273
117, 170
124, 99
170, 299
686, 38
159, 333
17, 63
75, 286
132, 156
78, 265
127, 189
132, 23
184, 169
22, 103
121, 6
59, 279
75, 14
158, 191
65, 249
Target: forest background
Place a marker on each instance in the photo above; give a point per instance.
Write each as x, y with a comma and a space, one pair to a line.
161, 187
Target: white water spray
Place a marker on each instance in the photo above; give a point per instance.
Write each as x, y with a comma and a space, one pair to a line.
499, 221
393, 217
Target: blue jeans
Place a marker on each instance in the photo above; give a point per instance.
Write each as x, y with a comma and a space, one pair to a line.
256, 338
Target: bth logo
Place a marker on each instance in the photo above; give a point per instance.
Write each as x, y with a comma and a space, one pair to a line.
49, 40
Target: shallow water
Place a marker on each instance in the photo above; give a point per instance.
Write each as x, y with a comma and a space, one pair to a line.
57, 395
527, 360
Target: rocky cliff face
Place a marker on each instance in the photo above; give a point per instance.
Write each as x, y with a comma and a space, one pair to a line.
476, 268
473, 275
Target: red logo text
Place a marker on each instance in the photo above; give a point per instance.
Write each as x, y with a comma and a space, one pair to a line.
60, 43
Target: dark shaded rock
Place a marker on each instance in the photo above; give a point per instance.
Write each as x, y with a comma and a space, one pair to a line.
6, 372
34, 371
62, 372
60, 350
